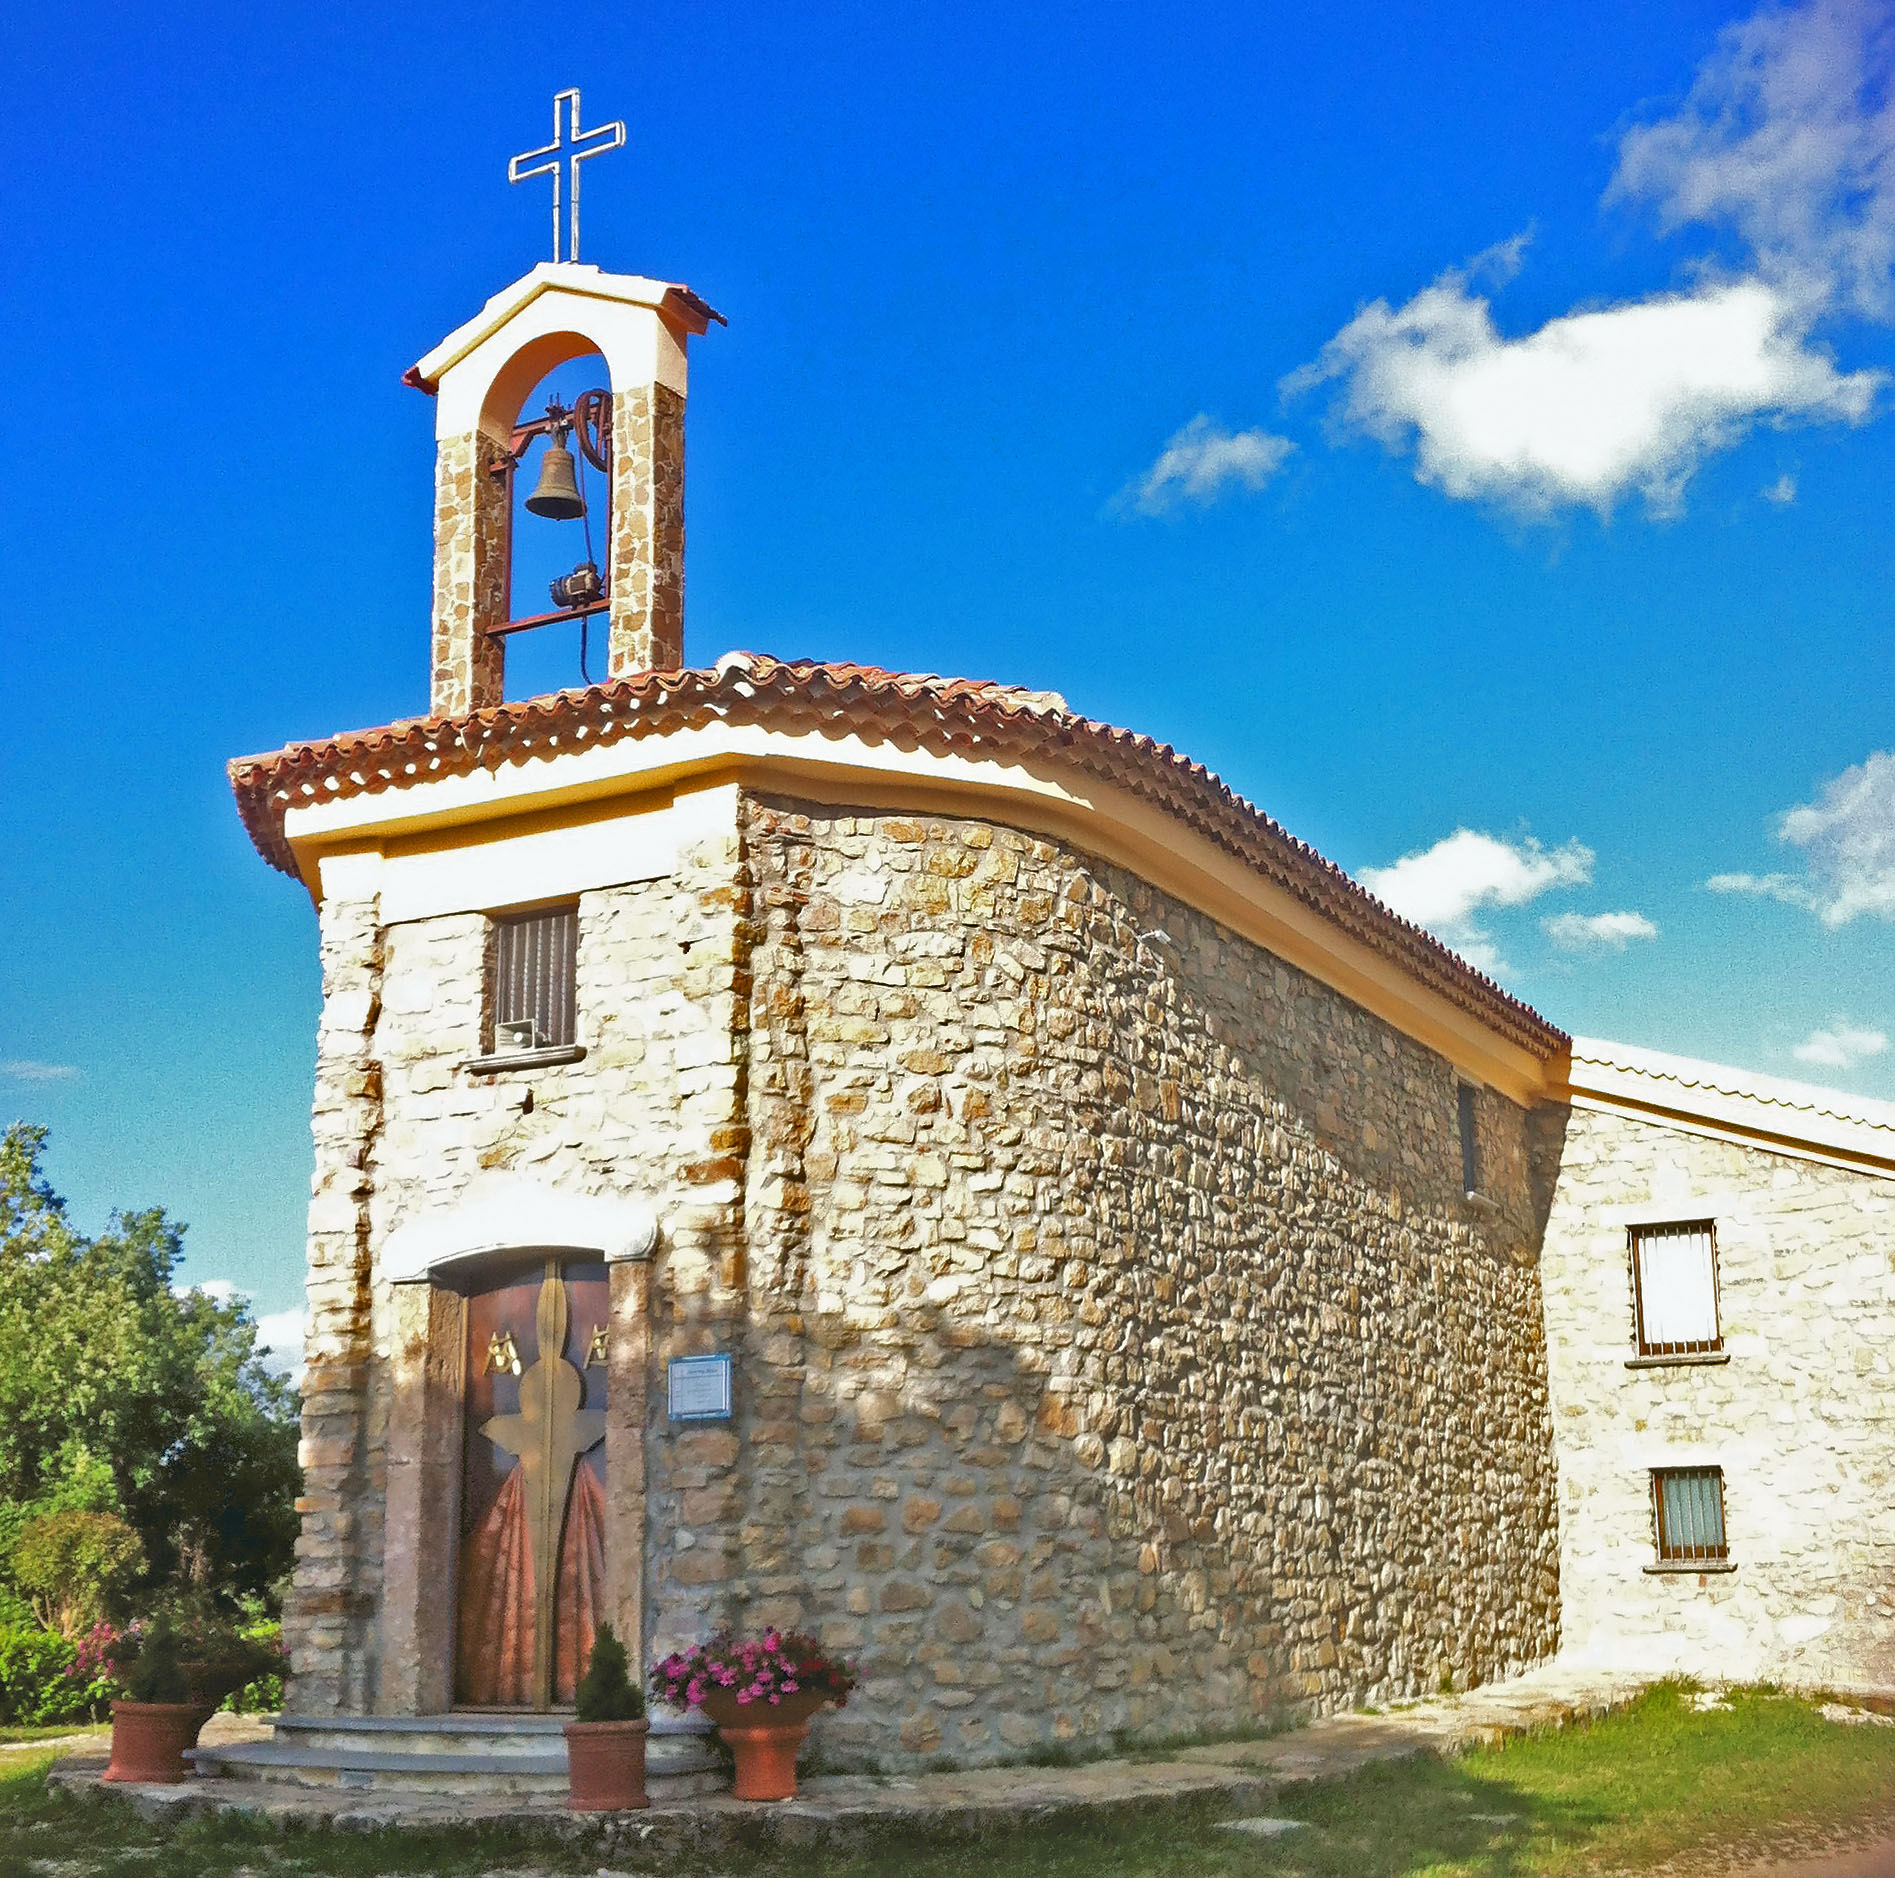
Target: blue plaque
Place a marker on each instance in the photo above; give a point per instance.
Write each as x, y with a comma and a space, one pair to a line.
700, 1388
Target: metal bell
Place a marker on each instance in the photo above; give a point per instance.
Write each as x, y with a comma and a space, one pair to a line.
556, 495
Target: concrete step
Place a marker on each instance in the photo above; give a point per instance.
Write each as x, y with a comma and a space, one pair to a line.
476, 1753
499, 1731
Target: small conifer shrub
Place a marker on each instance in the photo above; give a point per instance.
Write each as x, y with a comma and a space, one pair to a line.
157, 1675
606, 1692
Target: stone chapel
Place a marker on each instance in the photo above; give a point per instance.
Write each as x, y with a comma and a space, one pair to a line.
887, 1155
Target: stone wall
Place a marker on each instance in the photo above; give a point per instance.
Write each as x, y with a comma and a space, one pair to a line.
1122, 1353
645, 574
404, 1129
1114, 1346
328, 1619
1799, 1419
472, 572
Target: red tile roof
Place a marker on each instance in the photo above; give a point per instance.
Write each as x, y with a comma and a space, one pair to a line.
940, 714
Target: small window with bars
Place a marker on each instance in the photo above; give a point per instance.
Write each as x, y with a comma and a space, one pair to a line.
1674, 1289
1688, 1506
532, 1001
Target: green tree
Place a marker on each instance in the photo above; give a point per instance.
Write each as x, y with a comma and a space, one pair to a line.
75, 1566
118, 1395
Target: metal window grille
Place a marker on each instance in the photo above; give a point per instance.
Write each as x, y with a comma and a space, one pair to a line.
1674, 1288
1689, 1504
533, 969
1470, 1141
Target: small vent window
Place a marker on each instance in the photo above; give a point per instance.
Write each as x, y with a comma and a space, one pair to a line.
1689, 1505
1674, 1287
533, 969
1470, 1141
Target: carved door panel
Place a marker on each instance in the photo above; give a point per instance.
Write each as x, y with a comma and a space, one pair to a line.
532, 1538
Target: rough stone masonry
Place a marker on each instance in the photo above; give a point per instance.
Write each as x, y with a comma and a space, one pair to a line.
1115, 1346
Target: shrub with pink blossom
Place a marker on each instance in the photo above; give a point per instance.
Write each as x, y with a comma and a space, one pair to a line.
92, 1663
49, 1679
753, 1669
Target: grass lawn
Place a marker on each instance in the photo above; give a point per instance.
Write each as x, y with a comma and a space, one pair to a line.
1628, 1793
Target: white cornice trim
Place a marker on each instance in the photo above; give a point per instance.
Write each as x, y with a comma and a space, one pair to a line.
1043, 796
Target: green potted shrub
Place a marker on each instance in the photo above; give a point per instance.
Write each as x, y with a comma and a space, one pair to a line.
605, 1745
157, 1721
218, 1655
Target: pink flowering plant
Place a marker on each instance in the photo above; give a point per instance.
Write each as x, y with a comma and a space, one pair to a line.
92, 1669
753, 1669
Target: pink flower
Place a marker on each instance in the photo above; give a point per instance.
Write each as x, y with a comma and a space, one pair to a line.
754, 1669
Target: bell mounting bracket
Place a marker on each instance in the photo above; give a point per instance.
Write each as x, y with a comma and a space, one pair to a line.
589, 422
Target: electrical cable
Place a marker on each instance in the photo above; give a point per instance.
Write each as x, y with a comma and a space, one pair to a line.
585, 521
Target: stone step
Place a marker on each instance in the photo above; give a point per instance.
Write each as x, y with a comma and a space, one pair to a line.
484, 1732
491, 1754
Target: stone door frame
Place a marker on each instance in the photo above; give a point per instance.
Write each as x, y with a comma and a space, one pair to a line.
423, 1265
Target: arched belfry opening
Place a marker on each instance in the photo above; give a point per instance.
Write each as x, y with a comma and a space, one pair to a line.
559, 523
626, 427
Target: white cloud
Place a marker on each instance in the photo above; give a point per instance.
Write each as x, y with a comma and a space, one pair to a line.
1201, 461
1788, 139
1842, 1047
1848, 840
1444, 887
1848, 837
24, 1069
1784, 887
1782, 492
280, 1335
1597, 932
1592, 406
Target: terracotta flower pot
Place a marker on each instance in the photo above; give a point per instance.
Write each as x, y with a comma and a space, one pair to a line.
605, 1763
149, 1740
764, 1740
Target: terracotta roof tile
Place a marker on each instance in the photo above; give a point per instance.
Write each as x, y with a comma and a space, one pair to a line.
941, 714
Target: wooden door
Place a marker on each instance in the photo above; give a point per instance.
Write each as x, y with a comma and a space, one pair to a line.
532, 1538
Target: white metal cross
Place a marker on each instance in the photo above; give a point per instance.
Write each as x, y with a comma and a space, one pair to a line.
570, 147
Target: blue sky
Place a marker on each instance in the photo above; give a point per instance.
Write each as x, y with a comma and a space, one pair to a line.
1462, 427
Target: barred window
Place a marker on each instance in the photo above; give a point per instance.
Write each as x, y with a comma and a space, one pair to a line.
1674, 1289
1688, 1503
533, 966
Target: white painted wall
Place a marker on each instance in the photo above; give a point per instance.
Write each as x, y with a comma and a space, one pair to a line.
1801, 1419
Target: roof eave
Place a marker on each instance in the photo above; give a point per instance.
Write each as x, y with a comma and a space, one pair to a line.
993, 723
674, 303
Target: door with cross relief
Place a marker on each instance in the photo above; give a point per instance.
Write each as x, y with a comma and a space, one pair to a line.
531, 1577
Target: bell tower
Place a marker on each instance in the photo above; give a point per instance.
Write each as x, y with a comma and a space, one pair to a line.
480, 376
